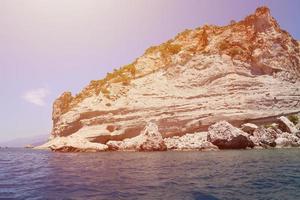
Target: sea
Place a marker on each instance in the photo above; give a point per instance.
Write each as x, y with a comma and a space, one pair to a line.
228, 174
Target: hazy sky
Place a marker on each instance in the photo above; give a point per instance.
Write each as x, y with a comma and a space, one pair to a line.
51, 46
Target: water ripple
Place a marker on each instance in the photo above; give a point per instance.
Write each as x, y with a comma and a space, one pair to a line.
256, 174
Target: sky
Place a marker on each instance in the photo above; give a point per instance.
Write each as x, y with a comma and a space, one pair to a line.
51, 46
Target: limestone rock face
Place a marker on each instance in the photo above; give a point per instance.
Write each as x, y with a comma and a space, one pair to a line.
246, 72
286, 125
287, 140
264, 137
196, 141
226, 136
149, 140
73, 144
61, 105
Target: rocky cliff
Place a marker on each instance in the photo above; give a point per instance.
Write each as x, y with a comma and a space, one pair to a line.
248, 71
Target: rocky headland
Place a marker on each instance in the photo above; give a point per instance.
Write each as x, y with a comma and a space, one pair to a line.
211, 88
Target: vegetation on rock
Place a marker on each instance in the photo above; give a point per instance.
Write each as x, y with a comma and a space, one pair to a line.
294, 119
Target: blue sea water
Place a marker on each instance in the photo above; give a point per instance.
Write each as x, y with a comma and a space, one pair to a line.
246, 174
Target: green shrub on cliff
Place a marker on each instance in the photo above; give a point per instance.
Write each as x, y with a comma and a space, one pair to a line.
165, 49
294, 119
124, 74
224, 45
170, 49
269, 126
104, 90
130, 68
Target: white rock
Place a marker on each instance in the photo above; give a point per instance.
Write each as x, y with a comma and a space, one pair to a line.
286, 125
149, 140
293, 140
226, 136
264, 137
72, 144
282, 142
195, 141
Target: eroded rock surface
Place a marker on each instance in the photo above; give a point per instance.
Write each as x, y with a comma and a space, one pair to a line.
195, 141
226, 136
264, 137
286, 125
73, 144
287, 140
149, 140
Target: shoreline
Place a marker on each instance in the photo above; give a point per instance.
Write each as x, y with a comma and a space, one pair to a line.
221, 135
